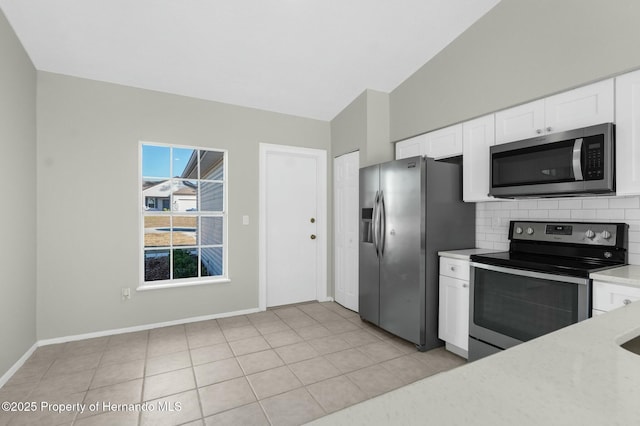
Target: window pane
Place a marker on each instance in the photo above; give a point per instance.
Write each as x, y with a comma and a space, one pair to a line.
184, 194
156, 231
185, 163
156, 265
156, 161
185, 230
211, 230
211, 196
155, 194
212, 165
212, 262
185, 263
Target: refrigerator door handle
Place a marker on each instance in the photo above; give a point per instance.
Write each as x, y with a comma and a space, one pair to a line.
374, 223
383, 223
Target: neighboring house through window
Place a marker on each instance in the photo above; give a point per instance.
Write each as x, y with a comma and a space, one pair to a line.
183, 215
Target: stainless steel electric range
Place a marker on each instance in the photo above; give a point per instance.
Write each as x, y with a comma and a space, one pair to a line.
541, 284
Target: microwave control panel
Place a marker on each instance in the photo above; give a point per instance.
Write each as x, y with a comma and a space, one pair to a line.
604, 234
594, 161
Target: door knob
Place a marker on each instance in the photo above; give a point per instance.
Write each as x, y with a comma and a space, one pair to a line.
312, 220
313, 236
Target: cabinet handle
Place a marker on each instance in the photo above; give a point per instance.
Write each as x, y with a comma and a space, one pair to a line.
626, 301
538, 131
548, 129
465, 285
452, 268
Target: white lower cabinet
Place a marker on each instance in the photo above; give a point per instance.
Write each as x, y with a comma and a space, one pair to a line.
453, 316
608, 296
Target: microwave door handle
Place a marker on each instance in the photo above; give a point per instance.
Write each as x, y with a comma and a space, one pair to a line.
577, 159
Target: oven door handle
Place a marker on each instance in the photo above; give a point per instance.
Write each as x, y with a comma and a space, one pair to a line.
532, 274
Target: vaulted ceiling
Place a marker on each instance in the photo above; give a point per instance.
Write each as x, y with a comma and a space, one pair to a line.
309, 58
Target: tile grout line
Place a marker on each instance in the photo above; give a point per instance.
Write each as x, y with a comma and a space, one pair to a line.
144, 373
195, 379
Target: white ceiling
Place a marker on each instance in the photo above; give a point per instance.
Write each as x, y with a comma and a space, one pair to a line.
309, 58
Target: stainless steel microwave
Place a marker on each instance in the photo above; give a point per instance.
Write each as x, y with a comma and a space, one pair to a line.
575, 162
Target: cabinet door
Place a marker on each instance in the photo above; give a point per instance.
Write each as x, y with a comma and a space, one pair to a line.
445, 142
411, 147
628, 134
608, 296
585, 106
478, 136
453, 321
521, 122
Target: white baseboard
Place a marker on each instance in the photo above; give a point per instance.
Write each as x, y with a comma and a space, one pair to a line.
44, 342
115, 331
15, 367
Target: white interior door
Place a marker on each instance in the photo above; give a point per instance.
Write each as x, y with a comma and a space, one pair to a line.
293, 225
345, 194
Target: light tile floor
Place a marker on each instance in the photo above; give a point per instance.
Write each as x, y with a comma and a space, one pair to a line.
285, 366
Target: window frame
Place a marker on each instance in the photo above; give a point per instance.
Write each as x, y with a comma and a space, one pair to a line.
192, 281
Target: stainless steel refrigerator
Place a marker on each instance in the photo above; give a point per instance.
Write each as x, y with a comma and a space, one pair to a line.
409, 210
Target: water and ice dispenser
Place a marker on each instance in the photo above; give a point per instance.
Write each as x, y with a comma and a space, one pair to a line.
366, 224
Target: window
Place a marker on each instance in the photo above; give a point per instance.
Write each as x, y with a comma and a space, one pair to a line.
183, 216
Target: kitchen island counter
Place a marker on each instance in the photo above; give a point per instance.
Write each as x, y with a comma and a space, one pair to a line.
578, 375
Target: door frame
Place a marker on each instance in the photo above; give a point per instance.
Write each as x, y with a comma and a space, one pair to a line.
321, 219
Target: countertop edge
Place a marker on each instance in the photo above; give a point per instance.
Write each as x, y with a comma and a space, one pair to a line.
465, 253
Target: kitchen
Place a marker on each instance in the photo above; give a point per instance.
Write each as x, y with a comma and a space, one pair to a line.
502, 61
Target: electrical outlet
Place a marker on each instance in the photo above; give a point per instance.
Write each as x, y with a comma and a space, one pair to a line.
126, 293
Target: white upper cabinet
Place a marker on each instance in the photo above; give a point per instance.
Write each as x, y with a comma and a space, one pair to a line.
478, 136
411, 147
628, 134
521, 122
445, 142
585, 106
439, 144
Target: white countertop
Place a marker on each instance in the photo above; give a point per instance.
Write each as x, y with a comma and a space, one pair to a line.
578, 375
464, 254
627, 275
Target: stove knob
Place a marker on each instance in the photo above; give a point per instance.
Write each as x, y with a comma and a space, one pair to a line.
518, 230
606, 235
530, 231
590, 234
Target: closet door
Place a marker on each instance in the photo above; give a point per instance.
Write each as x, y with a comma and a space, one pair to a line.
346, 193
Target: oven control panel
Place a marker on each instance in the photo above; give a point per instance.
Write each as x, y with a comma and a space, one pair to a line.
603, 234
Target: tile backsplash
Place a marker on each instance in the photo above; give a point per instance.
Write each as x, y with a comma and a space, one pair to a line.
492, 218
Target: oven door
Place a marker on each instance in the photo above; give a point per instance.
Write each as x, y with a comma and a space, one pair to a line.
510, 306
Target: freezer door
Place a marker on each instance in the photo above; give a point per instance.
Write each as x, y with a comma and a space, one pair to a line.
402, 260
369, 278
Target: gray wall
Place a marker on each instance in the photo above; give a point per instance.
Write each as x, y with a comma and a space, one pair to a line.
519, 51
18, 211
364, 126
88, 240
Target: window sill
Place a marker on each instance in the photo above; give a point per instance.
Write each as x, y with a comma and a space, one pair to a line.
145, 287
